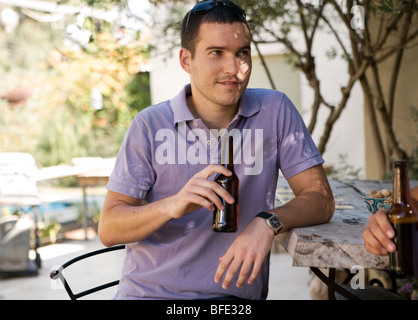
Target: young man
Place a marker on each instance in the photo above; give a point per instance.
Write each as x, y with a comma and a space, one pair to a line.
161, 193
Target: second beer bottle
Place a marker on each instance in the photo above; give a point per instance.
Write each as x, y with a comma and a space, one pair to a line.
226, 220
404, 220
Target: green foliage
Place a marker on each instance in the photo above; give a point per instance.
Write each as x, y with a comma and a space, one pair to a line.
343, 170
57, 123
385, 6
102, 4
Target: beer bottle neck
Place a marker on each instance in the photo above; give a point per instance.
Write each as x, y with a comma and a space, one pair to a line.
231, 154
401, 191
228, 154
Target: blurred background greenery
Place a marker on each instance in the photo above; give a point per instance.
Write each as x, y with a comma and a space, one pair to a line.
57, 120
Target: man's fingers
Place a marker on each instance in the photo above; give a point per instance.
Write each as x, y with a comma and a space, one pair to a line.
223, 265
244, 267
233, 268
372, 244
244, 264
382, 220
200, 201
256, 270
206, 196
211, 170
383, 232
245, 271
378, 234
211, 191
203, 192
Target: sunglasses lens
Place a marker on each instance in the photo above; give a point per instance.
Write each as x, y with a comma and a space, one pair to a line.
203, 7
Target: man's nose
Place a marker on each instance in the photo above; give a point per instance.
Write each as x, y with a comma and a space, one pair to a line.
231, 66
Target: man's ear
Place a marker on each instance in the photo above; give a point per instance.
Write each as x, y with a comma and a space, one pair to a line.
185, 59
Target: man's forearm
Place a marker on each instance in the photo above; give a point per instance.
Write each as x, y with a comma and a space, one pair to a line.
313, 202
129, 220
308, 209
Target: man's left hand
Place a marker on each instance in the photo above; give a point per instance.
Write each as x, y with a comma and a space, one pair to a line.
248, 252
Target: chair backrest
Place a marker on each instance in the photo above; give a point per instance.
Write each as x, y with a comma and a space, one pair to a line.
59, 274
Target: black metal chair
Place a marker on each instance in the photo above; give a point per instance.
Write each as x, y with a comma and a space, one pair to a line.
59, 274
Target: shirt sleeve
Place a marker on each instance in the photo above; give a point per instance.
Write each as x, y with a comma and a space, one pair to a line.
297, 150
133, 174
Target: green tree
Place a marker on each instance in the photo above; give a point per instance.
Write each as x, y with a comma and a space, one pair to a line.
78, 129
57, 123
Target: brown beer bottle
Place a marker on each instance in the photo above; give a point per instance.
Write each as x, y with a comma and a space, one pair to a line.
404, 220
227, 220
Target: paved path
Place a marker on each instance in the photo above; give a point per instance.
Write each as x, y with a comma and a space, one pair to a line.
286, 282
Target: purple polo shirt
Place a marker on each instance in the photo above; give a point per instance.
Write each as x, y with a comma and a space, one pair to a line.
164, 147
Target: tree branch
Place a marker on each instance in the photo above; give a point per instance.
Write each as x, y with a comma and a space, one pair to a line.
263, 62
338, 38
308, 40
382, 108
388, 54
347, 21
377, 143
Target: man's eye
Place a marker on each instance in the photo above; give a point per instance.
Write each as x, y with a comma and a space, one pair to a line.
243, 53
216, 52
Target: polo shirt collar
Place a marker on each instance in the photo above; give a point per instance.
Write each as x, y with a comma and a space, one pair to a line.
249, 105
179, 106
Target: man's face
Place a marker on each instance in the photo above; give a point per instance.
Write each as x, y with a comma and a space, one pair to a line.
221, 66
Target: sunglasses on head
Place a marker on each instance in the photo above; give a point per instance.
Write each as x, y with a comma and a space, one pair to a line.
207, 5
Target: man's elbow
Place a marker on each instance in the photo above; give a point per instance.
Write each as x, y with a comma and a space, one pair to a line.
105, 235
106, 242
329, 209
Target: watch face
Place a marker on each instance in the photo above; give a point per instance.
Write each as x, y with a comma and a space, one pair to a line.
275, 223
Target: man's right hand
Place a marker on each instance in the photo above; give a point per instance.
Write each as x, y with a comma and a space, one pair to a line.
200, 192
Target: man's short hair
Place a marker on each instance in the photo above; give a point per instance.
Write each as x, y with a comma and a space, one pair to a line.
223, 14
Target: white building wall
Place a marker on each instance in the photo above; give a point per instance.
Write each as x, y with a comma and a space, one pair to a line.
167, 77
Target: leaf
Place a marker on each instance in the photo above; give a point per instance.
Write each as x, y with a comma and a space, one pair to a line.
386, 6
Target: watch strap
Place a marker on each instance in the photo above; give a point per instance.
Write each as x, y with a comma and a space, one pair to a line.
264, 215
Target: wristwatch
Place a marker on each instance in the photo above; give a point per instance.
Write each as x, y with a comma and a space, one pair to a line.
272, 220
